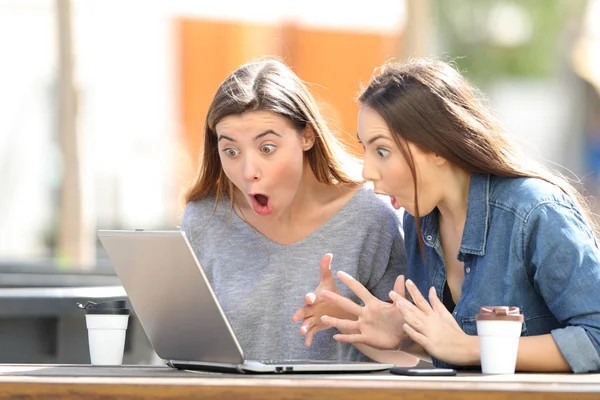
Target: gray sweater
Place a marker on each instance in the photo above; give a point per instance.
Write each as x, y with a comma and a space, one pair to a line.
260, 283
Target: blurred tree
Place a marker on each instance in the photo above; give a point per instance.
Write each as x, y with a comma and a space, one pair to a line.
75, 245
499, 38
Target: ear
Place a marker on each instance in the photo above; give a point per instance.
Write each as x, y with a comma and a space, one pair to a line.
308, 137
439, 160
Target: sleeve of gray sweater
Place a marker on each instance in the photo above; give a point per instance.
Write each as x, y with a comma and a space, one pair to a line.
260, 283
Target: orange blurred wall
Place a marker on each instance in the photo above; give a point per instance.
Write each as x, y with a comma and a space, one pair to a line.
334, 63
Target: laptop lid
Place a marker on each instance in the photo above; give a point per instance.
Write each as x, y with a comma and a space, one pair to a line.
171, 296
179, 311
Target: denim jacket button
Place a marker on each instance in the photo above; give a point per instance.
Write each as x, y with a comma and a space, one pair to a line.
429, 237
468, 269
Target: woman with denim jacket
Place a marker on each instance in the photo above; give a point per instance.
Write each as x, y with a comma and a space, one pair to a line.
484, 225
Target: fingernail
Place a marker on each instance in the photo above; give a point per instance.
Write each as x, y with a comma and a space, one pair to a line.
312, 297
409, 282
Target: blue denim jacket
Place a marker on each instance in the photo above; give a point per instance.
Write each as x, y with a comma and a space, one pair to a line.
524, 244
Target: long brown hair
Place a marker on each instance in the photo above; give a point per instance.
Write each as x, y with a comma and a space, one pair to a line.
269, 85
428, 103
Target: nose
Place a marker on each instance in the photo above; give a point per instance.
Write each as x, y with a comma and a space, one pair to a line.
251, 171
369, 172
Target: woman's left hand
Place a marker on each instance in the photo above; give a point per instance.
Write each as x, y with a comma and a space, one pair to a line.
435, 329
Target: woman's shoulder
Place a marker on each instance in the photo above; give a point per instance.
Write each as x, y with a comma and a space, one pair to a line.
525, 194
197, 213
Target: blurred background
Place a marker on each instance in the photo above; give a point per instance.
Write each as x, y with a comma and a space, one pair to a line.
102, 105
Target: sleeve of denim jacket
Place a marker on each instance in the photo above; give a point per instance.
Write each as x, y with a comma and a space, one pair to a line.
561, 248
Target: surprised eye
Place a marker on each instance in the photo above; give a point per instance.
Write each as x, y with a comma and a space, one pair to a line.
268, 148
231, 152
383, 153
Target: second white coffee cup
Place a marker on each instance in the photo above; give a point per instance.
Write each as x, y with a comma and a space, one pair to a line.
106, 334
499, 330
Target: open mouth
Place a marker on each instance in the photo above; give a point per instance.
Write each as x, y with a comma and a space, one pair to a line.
261, 203
393, 200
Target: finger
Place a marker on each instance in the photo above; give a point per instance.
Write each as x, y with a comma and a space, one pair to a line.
308, 324
417, 337
394, 296
310, 299
305, 326
355, 286
414, 320
310, 334
399, 286
435, 302
299, 315
341, 324
405, 307
418, 298
325, 267
349, 338
342, 302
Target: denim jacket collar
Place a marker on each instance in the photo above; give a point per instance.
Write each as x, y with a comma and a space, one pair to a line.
477, 222
478, 216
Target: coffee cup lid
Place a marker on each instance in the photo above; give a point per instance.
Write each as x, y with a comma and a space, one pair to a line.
499, 313
104, 304
107, 311
116, 307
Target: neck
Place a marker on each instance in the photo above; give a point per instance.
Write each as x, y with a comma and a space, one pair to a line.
453, 206
309, 195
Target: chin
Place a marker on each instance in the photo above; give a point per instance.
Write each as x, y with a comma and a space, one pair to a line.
413, 212
409, 211
426, 211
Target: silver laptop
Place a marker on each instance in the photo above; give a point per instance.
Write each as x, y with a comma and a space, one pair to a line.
179, 311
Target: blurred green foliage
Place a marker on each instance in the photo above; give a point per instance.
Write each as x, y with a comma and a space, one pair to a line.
491, 39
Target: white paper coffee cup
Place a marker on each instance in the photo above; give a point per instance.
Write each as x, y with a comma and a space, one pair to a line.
106, 335
499, 330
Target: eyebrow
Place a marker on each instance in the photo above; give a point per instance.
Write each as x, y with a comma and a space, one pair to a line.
226, 138
260, 135
265, 133
373, 138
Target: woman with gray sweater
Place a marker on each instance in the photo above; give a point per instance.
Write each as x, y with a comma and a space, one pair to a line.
275, 190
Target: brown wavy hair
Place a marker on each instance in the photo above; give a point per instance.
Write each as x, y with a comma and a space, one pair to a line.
270, 85
427, 102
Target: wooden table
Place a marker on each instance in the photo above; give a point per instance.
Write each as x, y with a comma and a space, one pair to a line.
157, 382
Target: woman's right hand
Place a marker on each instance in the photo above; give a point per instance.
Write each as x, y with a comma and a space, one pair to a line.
378, 324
